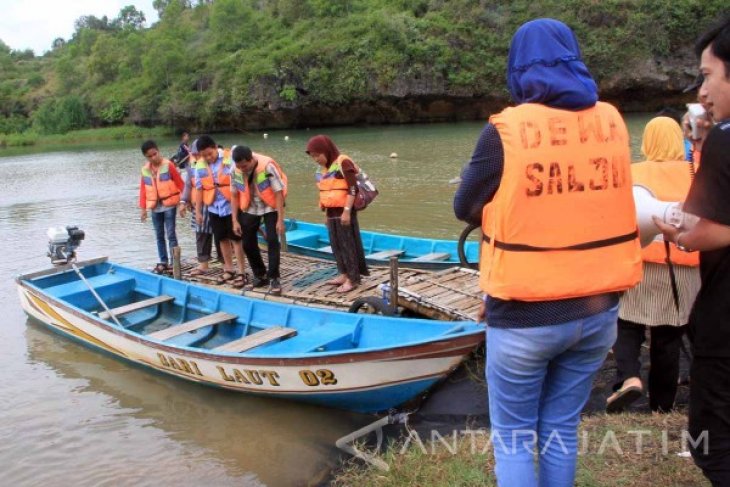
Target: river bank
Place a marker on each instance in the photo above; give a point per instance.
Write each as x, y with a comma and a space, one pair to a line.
447, 440
86, 136
637, 450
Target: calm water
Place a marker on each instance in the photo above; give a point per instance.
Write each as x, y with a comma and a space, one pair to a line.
71, 416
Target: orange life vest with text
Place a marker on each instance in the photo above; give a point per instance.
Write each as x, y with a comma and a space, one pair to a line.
562, 223
159, 187
669, 181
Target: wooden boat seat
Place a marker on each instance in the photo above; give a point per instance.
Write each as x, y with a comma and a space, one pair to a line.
327, 249
385, 254
256, 339
432, 257
313, 339
101, 284
302, 237
192, 325
129, 308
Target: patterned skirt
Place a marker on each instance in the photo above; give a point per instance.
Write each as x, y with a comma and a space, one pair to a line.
651, 302
347, 247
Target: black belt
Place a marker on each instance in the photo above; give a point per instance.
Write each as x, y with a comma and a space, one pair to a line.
581, 246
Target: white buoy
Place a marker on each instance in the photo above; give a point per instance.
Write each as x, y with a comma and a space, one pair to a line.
286, 137
393, 155
266, 136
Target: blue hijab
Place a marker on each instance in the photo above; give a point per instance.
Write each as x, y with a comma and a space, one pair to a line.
545, 67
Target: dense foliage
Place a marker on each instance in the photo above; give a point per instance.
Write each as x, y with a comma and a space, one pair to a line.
218, 59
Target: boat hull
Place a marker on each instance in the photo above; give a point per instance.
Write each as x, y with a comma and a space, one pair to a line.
312, 240
363, 382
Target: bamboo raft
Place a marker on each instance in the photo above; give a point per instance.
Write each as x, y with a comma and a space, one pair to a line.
450, 294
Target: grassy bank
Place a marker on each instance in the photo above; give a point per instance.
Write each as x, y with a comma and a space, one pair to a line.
637, 450
124, 132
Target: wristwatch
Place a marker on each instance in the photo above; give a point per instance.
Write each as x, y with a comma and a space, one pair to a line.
679, 245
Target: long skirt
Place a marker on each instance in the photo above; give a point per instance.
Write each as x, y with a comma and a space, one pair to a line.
347, 248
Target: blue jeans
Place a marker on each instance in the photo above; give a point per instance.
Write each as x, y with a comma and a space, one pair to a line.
164, 223
538, 381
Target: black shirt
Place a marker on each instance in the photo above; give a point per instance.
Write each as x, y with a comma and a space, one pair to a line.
709, 198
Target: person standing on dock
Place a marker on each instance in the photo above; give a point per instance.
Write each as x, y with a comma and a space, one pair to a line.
203, 232
258, 192
213, 184
549, 182
159, 192
337, 184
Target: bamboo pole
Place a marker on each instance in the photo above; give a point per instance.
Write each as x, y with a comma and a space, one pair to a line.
282, 239
394, 282
176, 268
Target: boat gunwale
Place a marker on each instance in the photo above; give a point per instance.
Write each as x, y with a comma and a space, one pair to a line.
452, 345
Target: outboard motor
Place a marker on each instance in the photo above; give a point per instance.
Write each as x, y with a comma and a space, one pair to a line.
62, 243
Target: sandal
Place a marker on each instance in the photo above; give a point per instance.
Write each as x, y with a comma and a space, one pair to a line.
239, 281
630, 391
160, 269
227, 275
198, 272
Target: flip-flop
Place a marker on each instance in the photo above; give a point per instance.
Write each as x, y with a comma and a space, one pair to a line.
239, 281
198, 272
621, 399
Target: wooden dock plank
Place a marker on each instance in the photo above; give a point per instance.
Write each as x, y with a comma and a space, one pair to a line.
192, 325
129, 308
446, 294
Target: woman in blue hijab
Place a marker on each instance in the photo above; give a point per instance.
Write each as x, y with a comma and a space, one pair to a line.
545, 347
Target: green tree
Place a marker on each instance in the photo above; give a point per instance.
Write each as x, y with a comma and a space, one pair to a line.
129, 18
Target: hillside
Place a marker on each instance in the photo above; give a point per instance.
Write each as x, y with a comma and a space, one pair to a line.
247, 64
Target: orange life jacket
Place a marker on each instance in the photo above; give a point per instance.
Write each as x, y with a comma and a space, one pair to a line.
562, 223
669, 181
333, 190
263, 184
696, 158
159, 187
205, 175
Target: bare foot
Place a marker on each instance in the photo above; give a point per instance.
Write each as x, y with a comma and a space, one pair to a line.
345, 288
336, 281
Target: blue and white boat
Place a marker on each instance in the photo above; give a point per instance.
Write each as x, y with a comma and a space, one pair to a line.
417, 253
363, 363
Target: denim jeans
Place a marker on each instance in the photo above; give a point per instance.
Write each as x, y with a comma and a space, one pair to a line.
164, 223
538, 381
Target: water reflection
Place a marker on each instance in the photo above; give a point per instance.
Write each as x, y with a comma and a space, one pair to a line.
212, 430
